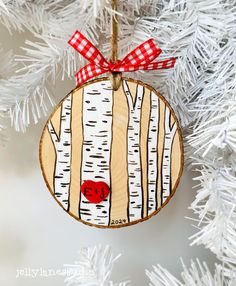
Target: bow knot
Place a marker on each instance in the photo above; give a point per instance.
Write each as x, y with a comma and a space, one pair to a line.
141, 58
113, 67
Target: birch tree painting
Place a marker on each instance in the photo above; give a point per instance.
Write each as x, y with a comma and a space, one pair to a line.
127, 141
135, 208
62, 146
96, 149
166, 157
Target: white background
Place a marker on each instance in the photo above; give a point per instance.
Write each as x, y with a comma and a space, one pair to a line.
36, 233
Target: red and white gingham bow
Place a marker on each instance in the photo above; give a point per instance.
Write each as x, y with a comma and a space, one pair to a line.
141, 58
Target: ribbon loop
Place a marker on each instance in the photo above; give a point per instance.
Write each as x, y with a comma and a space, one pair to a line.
83, 46
143, 54
140, 58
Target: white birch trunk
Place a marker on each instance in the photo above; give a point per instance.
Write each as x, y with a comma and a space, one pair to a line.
153, 154
135, 207
96, 152
166, 163
62, 145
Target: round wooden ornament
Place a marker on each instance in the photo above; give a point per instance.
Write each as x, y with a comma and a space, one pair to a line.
112, 158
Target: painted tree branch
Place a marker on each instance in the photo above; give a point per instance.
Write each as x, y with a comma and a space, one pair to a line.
166, 159
62, 146
153, 154
96, 153
135, 207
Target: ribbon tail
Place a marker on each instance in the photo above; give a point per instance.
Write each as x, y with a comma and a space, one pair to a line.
87, 72
165, 64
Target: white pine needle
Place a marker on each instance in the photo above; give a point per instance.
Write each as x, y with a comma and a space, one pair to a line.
93, 268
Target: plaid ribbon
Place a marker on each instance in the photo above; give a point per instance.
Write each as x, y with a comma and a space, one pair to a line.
141, 58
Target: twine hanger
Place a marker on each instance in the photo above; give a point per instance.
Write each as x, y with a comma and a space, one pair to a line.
115, 77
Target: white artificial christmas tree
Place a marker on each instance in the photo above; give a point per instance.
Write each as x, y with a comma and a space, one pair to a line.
201, 87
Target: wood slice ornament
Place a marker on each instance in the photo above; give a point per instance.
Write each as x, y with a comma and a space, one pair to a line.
112, 151
112, 158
